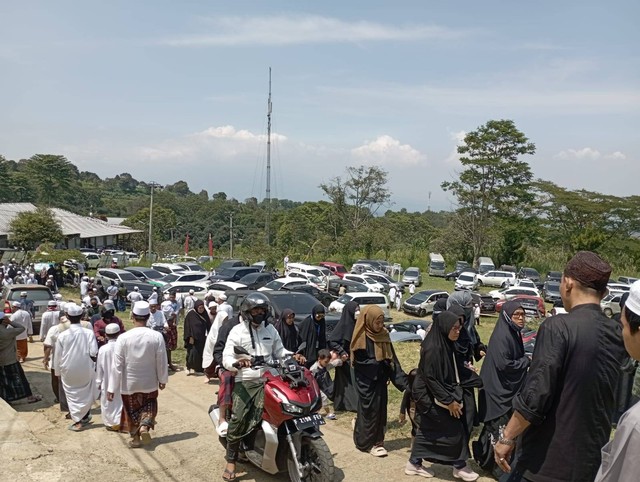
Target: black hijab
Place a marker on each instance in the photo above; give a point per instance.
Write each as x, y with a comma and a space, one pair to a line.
196, 324
439, 307
505, 366
288, 333
314, 333
343, 331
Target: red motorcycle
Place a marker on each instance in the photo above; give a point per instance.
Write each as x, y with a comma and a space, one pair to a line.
288, 439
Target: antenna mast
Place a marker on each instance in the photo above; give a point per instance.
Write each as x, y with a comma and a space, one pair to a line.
268, 222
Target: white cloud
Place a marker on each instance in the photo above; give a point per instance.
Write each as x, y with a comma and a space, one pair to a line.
453, 156
387, 150
305, 29
589, 154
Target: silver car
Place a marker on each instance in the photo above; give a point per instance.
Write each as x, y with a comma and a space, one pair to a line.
412, 275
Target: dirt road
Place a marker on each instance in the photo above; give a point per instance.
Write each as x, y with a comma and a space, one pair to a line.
184, 446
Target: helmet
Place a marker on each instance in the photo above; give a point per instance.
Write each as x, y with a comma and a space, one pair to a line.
253, 300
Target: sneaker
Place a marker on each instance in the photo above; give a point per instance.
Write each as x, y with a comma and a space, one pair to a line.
465, 473
331, 416
222, 429
411, 469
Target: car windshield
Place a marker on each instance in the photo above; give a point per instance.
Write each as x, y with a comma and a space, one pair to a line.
33, 295
300, 303
314, 272
418, 298
153, 274
411, 272
369, 281
274, 285
344, 299
169, 278
466, 277
127, 277
553, 286
437, 265
341, 269
314, 279
608, 298
249, 278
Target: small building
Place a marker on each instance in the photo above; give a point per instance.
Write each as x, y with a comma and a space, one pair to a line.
79, 231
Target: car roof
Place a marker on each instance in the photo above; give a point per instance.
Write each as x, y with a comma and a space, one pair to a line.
429, 292
114, 270
25, 287
140, 268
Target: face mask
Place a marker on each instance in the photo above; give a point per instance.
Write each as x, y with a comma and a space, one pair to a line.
258, 319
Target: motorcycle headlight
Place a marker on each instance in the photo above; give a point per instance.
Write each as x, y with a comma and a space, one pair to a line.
291, 408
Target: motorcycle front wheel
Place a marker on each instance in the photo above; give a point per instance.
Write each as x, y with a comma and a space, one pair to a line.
316, 460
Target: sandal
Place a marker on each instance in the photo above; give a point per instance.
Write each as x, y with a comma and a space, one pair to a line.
74, 427
378, 451
146, 437
34, 399
228, 475
135, 443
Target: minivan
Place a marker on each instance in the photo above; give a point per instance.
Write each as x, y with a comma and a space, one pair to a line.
436, 265
305, 268
362, 299
485, 264
336, 268
412, 275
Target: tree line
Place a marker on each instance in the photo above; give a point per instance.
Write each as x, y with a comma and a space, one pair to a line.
501, 211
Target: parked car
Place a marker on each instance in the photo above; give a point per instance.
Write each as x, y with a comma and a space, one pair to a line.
167, 268
386, 281
360, 268
421, 303
92, 260
376, 265
551, 291
558, 308
204, 259
510, 293
230, 263
145, 274
508, 267
627, 280
182, 277
466, 281
253, 281
220, 287
106, 275
530, 273
182, 289
351, 286
501, 279
554, 276
372, 284
233, 274
410, 326
39, 294
610, 304
301, 303
618, 287
454, 274
281, 283
336, 268
526, 283
412, 275
533, 305
323, 297
191, 266
312, 279
486, 302
363, 299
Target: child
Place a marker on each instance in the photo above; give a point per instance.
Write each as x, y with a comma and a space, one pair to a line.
320, 372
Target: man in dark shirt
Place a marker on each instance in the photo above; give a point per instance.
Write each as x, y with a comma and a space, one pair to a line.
564, 409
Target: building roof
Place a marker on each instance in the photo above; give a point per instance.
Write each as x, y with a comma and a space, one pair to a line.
72, 224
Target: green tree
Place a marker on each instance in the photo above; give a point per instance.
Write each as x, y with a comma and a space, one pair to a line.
53, 177
494, 182
30, 228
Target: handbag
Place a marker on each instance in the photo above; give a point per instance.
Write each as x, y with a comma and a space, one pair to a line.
457, 390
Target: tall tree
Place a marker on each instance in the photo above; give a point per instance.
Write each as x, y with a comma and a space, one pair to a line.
30, 228
52, 176
494, 182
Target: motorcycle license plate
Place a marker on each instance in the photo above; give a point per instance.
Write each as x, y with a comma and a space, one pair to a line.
310, 421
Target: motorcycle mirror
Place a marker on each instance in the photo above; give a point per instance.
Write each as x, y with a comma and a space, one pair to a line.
301, 348
238, 350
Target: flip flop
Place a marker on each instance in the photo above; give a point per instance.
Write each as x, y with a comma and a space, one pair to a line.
145, 437
74, 428
378, 452
228, 475
135, 444
34, 399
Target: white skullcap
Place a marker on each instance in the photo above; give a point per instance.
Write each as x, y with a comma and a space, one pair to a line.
141, 308
168, 309
73, 309
23, 293
112, 329
16, 304
633, 301
212, 304
108, 305
52, 303
135, 288
57, 296
191, 292
222, 297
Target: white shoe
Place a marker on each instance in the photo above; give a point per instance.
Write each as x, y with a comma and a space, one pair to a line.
222, 429
465, 473
411, 469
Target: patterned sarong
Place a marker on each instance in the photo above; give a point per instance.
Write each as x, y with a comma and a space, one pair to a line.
13, 383
138, 410
248, 404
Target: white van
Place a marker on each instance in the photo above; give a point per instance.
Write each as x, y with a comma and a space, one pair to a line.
362, 299
436, 265
485, 264
305, 268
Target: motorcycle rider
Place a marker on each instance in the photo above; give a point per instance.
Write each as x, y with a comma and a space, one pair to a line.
260, 339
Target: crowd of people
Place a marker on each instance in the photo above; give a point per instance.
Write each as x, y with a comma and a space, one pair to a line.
543, 417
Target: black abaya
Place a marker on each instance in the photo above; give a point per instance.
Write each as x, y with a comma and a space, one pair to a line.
313, 332
288, 333
196, 326
345, 392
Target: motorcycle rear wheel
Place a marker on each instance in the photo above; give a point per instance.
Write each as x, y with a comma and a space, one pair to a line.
317, 460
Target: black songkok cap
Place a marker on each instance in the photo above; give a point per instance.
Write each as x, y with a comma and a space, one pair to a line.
589, 269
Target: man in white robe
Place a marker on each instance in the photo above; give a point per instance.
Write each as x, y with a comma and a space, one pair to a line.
50, 318
74, 362
111, 410
224, 306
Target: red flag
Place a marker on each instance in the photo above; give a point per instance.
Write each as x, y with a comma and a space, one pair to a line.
210, 246
186, 245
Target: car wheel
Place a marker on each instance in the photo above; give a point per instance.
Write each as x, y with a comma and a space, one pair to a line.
480, 283
608, 312
503, 285
422, 313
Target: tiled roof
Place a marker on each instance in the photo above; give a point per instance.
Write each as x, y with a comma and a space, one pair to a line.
72, 224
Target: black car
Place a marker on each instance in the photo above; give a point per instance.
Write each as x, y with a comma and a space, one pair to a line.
454, 274
301, 304
144, 274
554, 276
551, 291
233, 274
230, 263
486, 302
322, 296
351, 286
256, 280
529, 273
410, 326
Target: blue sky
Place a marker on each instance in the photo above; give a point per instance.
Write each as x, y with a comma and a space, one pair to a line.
171, 90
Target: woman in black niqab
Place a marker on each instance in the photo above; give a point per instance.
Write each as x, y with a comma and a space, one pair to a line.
287, 330
345, 392
196, 326
313, 332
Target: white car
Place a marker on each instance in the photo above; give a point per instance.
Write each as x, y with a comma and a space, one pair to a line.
466, 281
527, 283
312, 279
509, 293
184, 277
363, 299
501, 279
618, 288
372, 284
167, 268
280, 283
219, 287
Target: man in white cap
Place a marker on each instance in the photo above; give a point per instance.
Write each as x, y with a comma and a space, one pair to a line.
26, 304
50, 318
223, 305
139, 370
157, 320
111, 410
135, 296
23, 318
153, 297
108, 316
189, 301
76, 350
84, 286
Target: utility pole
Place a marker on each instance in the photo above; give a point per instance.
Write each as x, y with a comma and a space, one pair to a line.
153, 184
268, 221
231, 235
